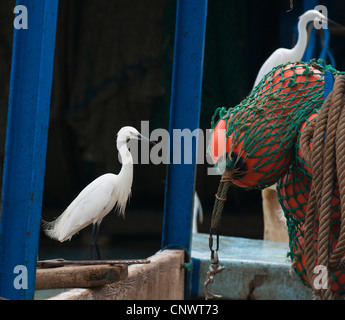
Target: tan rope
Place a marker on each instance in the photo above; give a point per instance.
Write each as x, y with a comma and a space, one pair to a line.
327, 132
339, 250
219, 203
219, 198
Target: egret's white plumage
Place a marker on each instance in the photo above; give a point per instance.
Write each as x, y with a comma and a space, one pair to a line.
283, 55
97, 199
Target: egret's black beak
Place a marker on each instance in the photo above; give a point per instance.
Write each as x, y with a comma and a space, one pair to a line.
332, 22
141, 137
335, 23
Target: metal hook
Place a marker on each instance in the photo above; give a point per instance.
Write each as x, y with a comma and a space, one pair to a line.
213, 269
210, 241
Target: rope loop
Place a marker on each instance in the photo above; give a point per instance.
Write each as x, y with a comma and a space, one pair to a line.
326, 160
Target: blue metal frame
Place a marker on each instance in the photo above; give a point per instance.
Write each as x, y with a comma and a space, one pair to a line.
329, 83
310, 51
25, 148
184, 114
326, 52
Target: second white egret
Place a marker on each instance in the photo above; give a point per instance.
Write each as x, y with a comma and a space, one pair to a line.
283, 55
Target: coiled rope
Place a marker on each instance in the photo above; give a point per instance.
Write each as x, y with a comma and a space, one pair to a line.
327, 161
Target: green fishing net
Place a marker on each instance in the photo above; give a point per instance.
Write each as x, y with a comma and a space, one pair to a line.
262, 129
262, 148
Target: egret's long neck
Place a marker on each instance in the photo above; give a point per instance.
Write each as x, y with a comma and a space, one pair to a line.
126, 160
302, 41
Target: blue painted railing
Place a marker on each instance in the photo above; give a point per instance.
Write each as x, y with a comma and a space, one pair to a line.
184, 114
25, 148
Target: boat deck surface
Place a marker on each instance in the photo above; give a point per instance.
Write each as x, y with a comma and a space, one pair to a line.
254, 269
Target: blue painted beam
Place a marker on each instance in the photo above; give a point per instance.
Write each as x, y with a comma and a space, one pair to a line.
184, 114
25, 148
329, 83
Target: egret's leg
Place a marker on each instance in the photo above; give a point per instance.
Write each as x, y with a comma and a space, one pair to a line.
92, 241
96, 241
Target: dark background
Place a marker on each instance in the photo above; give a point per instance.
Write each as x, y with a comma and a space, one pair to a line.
113, 66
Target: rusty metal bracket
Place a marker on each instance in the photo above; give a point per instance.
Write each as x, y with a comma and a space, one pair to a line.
214, 268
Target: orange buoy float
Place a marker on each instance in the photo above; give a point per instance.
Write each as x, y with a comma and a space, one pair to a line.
294, 191
256, 138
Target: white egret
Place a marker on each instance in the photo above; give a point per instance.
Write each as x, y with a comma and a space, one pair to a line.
283, 55
97, 199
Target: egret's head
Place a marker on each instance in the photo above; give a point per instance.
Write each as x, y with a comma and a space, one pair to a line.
310, 15
128, 132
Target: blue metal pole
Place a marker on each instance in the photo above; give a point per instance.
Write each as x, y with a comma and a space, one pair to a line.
329, 83
25, 148
184, 114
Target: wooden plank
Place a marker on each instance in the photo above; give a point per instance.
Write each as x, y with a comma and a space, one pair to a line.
162, 279
73, 294
79, 276
59, 262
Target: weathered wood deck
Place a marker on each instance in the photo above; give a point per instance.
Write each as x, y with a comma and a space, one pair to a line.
81, 276
161, 279
254, 269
